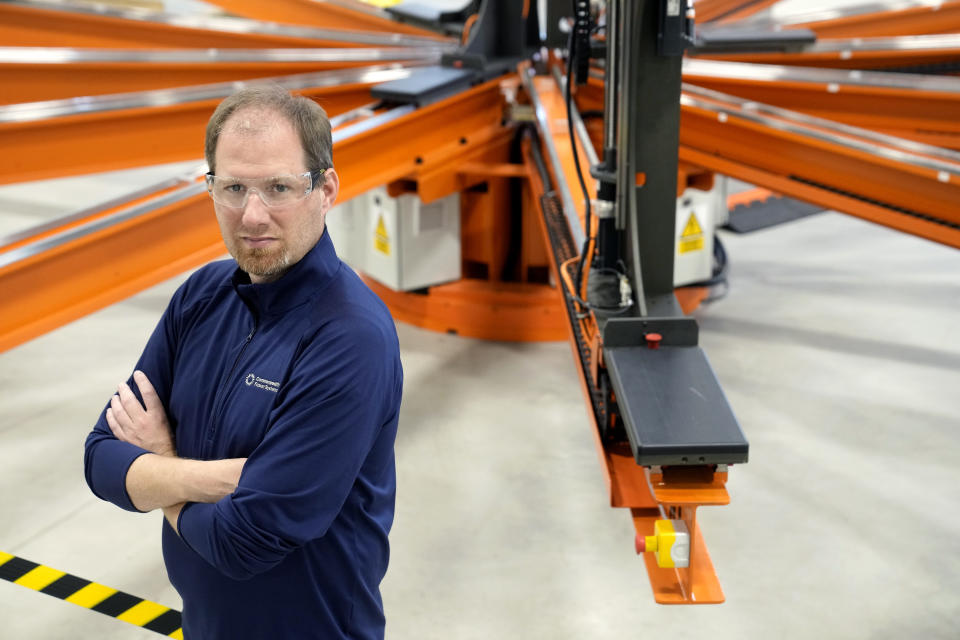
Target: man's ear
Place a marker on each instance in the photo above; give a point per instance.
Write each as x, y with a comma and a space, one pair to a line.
330, 186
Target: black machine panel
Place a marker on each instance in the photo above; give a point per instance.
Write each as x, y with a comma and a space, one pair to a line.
672, 406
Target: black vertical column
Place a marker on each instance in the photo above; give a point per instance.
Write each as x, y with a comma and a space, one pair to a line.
648, 135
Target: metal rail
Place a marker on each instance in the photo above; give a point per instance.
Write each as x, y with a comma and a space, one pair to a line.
562, 182
69, 55
64, 10
117, 253
838, 77
86, 135
34, 74
26, 112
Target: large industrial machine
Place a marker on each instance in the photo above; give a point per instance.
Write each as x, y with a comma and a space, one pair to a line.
513, 171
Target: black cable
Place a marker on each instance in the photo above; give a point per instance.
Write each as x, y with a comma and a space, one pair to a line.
576, 156
720, 268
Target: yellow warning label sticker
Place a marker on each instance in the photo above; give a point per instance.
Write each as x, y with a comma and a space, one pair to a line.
381, 241
692, 237
692, 227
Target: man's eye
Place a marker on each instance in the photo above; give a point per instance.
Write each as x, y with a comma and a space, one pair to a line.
280, 187
236, 187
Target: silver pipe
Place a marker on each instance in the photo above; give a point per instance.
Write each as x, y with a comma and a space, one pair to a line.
67, 55
932, 42
626, 200
349, 131
945, 162
569, 210
623, 79
46, 244
107, 204
609, 90
578, 126
768, 17
28, 111
836, 77
354, 114
238, 25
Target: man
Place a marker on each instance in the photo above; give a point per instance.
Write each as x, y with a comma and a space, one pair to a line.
270, 394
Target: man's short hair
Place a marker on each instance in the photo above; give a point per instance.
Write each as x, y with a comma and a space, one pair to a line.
307, 117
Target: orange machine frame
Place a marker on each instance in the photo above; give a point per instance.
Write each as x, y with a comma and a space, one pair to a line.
456, 145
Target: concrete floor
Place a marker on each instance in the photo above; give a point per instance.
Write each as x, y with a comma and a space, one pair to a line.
837, 346
838, 349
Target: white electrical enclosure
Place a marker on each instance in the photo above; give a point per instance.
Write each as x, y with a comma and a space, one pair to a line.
400, 242
698, 214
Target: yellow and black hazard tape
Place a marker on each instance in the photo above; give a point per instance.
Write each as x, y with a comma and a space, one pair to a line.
90, 595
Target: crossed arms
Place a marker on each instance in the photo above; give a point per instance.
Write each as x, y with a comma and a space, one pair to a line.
159, 479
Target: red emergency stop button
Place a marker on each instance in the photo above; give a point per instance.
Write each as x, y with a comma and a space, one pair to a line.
653, 340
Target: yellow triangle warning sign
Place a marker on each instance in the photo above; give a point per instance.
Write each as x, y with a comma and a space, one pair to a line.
693, 227
381, 241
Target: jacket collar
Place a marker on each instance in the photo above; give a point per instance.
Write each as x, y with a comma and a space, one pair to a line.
303, 281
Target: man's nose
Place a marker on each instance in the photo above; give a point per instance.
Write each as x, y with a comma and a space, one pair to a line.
255, 211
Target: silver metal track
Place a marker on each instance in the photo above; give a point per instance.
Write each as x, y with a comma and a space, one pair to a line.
566, 198
66, 55
28, 111
236, 25
769, 18
932, 42
944, 161
837, 77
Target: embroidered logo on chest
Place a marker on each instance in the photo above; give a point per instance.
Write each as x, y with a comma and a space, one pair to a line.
254, 380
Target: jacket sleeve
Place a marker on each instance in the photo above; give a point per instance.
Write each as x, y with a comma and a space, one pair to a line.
340, 392
106, 459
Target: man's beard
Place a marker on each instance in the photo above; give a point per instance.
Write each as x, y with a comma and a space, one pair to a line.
263, 263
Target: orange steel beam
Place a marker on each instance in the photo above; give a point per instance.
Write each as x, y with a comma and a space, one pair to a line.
825, 173
911, 113
62, 284
424, 145
22, 26
57, 286
939, 18
726, 10
811, 167
848, 58
23, 82
124, 138
318, 13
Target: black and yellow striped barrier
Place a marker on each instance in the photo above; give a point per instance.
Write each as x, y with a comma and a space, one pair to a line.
90, 595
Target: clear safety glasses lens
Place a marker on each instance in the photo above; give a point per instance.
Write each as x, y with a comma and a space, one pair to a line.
275, 191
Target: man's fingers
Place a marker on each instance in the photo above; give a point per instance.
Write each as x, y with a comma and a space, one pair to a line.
147, 392
114, 425
129, 401
119, 413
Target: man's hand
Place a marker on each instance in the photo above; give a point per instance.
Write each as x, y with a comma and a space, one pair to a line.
147, 428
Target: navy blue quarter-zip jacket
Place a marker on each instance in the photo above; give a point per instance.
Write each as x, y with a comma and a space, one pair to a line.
302, 376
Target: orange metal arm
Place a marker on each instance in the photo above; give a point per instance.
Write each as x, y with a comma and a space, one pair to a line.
839, 57
926, 116
729, 10
940, 18
317, 13
22, 26
87, 274
36, 82
822, 173
109, 140
95, 271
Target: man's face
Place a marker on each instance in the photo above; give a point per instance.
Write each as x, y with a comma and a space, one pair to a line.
267, 241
